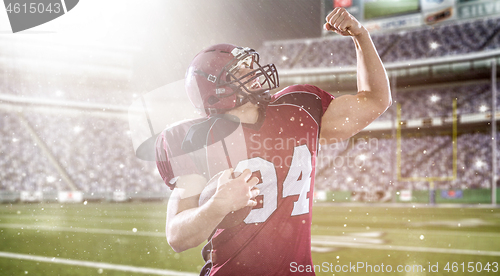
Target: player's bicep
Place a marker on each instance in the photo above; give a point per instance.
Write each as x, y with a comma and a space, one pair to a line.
347, 115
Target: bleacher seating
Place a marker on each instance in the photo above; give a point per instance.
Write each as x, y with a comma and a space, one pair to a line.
423, 43
115, 94
428, 157
438, 101
96, 150
23, 164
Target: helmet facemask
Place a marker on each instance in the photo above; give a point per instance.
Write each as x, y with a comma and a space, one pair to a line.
223, 77
253, 86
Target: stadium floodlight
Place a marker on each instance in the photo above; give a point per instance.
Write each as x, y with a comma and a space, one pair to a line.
77, 129
434, 45
434, 98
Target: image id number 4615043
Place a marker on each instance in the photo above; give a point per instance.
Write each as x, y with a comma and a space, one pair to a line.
35, 8
471, 267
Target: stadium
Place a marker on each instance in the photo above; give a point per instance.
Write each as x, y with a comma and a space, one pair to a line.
414, 193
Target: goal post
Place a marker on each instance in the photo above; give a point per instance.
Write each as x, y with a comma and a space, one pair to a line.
430, 179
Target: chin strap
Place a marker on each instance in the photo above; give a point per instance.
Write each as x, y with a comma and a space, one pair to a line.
260, 99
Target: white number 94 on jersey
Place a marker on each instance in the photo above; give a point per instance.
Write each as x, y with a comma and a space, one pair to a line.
297, 182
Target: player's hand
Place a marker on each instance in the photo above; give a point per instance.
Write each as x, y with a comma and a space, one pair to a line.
234, 194
343, 23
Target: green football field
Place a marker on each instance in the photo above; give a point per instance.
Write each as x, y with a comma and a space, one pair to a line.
129, 239
382, 8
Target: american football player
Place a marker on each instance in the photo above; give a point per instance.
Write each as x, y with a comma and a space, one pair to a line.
278, 139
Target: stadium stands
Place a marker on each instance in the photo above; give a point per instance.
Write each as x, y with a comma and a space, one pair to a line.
437, 101
366, 165
51, 151
23, 165
96, 152
421, 43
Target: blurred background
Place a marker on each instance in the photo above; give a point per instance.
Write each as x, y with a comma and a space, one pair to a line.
67, 87
76, 76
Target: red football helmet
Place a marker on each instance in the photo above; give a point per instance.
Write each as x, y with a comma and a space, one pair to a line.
213, 87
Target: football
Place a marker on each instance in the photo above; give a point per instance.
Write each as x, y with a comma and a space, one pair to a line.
232, 219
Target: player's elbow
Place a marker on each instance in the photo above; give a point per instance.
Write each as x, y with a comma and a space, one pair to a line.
388, 102
176, 248
174, 239
180, 241
385, 99
175, 243
383, 103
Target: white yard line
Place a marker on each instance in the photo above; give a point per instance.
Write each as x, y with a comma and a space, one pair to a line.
82, 230
97, 265
321, 241
405, 230
328, 243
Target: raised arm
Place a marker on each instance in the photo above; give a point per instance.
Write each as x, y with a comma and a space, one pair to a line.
349, 114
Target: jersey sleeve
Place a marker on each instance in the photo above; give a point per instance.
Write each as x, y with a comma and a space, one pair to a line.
323, 96
171, 161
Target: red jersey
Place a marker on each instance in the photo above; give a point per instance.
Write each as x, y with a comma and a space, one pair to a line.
281, 150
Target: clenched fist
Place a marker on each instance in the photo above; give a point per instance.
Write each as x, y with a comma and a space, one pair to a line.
343, 23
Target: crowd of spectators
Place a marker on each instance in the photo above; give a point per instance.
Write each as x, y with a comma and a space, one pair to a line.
23, 164
452, 39
373, 163
437, 102
96, 153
